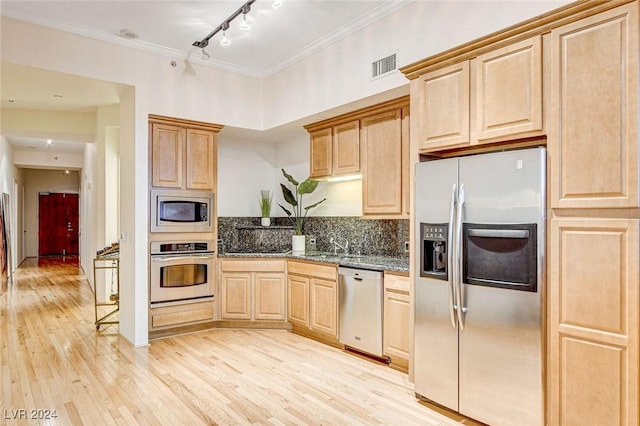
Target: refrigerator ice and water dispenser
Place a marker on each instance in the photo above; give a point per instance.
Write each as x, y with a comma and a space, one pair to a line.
433, 250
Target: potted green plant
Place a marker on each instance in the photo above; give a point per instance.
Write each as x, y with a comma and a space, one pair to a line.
265, 200
298, 213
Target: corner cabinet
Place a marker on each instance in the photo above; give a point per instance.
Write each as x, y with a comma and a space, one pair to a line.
252, 289
183, 153
493, 97
312, 291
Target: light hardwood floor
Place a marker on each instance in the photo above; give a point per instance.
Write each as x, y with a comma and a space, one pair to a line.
52, 358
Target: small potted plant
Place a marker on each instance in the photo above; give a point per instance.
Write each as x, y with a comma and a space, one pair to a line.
299, 213
265, 200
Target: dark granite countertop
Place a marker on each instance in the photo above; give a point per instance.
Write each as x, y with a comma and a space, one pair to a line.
376, 263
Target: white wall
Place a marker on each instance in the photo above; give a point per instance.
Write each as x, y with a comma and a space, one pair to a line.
244, 168
37, 181
343, 198
70, 126
88, 201
7, 169
36, 159
101, 208
12, 179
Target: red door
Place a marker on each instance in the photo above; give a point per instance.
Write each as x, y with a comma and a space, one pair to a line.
57, 224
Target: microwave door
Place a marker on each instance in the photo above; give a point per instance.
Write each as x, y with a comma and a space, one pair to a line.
181, 211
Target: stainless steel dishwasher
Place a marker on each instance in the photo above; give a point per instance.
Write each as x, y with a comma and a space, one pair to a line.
360, 304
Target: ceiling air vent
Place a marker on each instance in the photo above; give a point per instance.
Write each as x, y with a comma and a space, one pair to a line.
383, 66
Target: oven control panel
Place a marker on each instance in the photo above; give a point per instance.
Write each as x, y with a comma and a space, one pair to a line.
176, 247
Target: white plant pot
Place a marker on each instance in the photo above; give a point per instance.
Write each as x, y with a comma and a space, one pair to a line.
265, 221
297, 244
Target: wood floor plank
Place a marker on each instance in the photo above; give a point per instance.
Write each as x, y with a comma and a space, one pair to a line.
53, 358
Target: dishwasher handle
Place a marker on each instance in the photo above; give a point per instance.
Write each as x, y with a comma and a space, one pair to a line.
359, 274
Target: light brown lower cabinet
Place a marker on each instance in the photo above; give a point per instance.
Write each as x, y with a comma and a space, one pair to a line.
252, 289
396, 335
313, 298
593, 305
181, 315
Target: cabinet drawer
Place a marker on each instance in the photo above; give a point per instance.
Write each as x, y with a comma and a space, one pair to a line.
179, 315
313, 270
250, 265
397, 283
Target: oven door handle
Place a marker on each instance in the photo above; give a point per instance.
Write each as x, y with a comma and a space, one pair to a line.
172, 258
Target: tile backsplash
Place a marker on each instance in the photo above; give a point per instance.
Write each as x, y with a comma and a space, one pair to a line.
385, 237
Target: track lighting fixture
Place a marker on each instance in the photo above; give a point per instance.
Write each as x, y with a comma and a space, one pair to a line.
224, 26
244, 25
225, 41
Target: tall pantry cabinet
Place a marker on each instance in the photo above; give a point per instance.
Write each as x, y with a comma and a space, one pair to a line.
594, 227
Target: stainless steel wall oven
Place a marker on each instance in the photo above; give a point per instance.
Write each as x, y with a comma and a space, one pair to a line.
181, 271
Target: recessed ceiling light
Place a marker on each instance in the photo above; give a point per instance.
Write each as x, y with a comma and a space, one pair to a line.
128, 34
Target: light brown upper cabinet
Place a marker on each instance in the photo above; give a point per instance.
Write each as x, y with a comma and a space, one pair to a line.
183, 153
321, 150
346, 148
593, 124
494, 97
335, 150
385, 142
509, 91
443, 112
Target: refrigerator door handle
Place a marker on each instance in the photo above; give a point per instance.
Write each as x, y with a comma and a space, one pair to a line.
450, 256
459, 265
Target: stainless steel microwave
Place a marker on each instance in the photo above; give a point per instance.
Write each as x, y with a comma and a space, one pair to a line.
181, 211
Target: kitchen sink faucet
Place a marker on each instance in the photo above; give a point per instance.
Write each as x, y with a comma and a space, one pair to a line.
334, 240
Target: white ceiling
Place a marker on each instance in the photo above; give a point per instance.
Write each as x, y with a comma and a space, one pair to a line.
277, 38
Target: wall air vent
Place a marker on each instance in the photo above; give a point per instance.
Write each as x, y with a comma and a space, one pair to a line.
383, 66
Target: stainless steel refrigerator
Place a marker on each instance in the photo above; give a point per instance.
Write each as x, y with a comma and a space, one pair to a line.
478, 316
